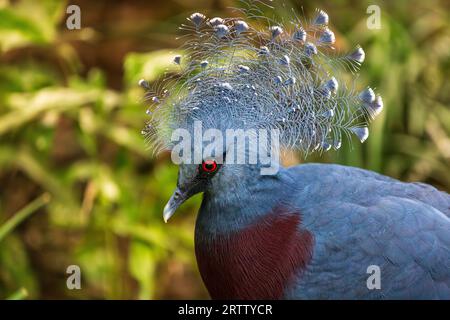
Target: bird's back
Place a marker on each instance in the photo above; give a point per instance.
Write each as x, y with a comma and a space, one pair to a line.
363, 186
362, 220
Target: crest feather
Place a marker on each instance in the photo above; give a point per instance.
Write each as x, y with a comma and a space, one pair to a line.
237, 76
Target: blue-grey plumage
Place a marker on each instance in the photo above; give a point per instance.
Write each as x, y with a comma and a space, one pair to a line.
360, 218
313, 231
356, 218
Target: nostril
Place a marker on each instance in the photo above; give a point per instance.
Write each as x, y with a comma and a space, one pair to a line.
176, 195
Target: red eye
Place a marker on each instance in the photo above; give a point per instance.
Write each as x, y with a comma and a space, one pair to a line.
209, 166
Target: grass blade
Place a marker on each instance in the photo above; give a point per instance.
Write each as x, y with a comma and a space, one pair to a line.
20, 216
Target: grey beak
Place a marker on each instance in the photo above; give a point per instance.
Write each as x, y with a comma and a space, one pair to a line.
177, 198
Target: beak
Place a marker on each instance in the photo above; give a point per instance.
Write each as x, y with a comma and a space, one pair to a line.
177, 198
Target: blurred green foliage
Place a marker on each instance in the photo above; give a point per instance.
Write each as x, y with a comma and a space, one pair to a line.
77, 183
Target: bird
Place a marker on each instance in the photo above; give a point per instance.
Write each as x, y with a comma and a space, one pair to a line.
311, 231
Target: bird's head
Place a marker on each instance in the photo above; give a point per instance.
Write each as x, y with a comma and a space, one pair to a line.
235, 76
230, 164
192, 179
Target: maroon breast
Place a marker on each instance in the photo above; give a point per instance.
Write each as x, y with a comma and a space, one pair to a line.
258, 262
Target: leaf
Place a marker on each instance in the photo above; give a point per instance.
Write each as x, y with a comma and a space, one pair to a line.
16, 29
28, 106
20, 294
143, 267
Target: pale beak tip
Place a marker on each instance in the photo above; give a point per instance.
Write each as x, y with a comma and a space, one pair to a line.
167, 213
174, 202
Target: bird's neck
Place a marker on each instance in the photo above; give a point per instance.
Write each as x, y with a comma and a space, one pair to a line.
239, 199
248, 234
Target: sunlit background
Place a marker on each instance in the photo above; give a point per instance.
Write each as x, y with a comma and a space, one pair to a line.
78, 185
